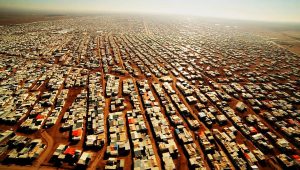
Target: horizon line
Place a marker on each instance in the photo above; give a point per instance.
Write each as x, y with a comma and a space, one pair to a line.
27, 12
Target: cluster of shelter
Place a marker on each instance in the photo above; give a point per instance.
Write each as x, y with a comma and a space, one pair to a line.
190, 96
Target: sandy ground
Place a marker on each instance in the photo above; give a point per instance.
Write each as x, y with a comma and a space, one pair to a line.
19, 19
289, 39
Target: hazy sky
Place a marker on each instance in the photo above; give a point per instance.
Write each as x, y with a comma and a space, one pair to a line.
266, 10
